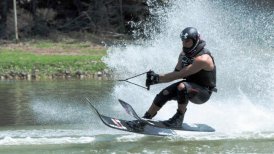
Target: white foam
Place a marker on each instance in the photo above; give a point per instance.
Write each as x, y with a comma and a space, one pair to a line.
42, 141
130, 138
245, 82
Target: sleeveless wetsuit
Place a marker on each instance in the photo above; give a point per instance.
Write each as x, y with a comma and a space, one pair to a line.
199, 86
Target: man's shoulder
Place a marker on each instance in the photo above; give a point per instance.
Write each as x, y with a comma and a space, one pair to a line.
203, 57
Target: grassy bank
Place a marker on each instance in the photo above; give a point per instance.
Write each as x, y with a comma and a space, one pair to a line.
46, 59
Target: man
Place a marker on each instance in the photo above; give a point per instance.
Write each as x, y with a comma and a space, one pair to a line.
197, 70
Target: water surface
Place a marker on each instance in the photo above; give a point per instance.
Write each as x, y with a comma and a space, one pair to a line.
53, 117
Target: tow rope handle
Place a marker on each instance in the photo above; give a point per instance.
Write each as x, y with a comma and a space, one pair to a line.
126, 80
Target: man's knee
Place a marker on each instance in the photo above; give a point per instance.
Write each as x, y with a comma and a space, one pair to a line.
161, 98
181, 87
182, 94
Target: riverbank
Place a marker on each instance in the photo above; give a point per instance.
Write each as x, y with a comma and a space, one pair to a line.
46, 60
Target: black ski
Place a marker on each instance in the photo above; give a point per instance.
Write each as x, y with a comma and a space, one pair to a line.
185, 127
125, 125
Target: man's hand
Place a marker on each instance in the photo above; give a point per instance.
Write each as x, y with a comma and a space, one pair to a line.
152, 78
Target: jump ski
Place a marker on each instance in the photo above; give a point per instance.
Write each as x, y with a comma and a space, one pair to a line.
185, 127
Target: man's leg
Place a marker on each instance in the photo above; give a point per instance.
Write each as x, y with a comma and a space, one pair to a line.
182, 108
182, 98
159, 101
152, 111
187, 92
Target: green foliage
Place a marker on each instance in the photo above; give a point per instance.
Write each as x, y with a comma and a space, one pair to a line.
21, 61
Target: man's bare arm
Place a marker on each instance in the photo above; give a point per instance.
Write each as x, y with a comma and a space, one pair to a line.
198, 64
178, 65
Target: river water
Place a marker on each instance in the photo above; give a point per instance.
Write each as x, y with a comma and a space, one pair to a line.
54, 117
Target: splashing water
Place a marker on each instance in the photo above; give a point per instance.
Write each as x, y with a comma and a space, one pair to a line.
240, 37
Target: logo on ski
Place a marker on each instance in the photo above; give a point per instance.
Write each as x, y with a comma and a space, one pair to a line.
117, 123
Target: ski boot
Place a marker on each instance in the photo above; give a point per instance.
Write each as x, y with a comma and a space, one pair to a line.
139, 125
176, 121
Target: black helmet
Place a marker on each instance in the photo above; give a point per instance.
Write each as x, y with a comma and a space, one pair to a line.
190, 33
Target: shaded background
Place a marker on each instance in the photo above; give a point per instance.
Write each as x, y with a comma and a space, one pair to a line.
113, 18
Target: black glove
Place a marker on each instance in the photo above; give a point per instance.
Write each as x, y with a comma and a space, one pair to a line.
152, 78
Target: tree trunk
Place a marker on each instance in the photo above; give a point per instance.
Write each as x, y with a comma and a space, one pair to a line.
3, 19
